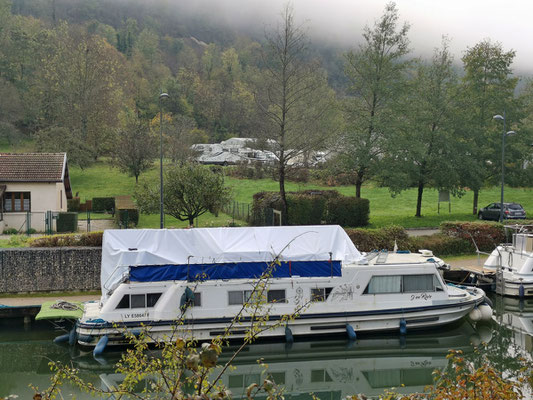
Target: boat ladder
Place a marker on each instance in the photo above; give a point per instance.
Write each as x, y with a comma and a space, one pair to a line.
382, 257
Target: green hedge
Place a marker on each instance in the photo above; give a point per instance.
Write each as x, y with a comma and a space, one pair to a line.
385, 239
88, 239
104, 204
67, 222
348, 211
379, 239
73, 205
126, 213
441, 245
487, 235
304, 208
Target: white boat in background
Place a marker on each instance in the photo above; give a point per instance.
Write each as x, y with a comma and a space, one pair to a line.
152, 278
512, 263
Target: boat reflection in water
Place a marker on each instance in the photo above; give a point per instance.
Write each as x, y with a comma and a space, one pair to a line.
516, 315
335, 369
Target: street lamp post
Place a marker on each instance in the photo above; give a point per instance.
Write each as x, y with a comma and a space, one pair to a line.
161, 97
504, 134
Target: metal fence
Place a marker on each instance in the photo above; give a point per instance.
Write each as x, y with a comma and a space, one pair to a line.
237, 210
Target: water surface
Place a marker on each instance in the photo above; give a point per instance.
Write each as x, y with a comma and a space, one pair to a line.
330, 368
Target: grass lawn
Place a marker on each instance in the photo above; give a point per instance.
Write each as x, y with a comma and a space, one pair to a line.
102, 180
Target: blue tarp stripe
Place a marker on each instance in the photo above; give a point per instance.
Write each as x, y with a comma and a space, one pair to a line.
234, 270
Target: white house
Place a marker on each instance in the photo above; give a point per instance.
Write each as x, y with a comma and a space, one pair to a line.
31, 184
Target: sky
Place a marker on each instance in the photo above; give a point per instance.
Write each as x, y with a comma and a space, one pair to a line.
465, 22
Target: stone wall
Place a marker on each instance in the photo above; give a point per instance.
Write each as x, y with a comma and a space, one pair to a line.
50, 269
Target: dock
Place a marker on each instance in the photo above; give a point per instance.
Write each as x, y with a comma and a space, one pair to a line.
461, 272
29, 307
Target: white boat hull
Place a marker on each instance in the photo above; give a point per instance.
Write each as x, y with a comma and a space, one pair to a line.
305, 326
512, 288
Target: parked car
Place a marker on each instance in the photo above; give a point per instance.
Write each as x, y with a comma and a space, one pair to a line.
510, 211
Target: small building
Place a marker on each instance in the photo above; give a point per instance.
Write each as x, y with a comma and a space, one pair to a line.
232, 151
32, 187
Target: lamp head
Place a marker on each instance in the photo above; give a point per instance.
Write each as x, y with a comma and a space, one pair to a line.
163, 95
498, 116
510, 133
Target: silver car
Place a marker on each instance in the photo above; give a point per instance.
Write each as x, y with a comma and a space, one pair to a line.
510, 211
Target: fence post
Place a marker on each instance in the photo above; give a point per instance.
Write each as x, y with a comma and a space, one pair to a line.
28, 223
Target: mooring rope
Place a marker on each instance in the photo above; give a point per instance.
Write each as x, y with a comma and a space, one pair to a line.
65, 305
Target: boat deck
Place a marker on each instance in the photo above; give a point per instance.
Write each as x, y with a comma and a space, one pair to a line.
475, 269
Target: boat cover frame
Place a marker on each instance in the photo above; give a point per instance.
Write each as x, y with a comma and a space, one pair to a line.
223, 253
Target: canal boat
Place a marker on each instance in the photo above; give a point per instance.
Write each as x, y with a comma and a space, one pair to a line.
197, 281
511, 264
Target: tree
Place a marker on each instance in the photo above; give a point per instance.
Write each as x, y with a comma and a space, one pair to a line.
55, 139
425, 151
189, 190
135, 148
487, 89
294, 98
11, 111
180, 136
82, 88
376, 74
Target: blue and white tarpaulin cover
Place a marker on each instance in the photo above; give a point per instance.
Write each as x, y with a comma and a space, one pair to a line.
223, 253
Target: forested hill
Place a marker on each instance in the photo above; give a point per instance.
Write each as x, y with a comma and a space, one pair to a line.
84, 76
169, 19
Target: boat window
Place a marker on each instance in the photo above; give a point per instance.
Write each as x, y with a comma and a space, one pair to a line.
197, 299
138, 301
276, 296
320, 294
403, 284
418, 283
238, 297
384, 284
437, 284
243, 381
124, 302
320, 375
277, 377
151, 299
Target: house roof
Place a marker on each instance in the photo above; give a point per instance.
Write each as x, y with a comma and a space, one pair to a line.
35, 167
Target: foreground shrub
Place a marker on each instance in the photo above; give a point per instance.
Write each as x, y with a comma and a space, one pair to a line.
88, 239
